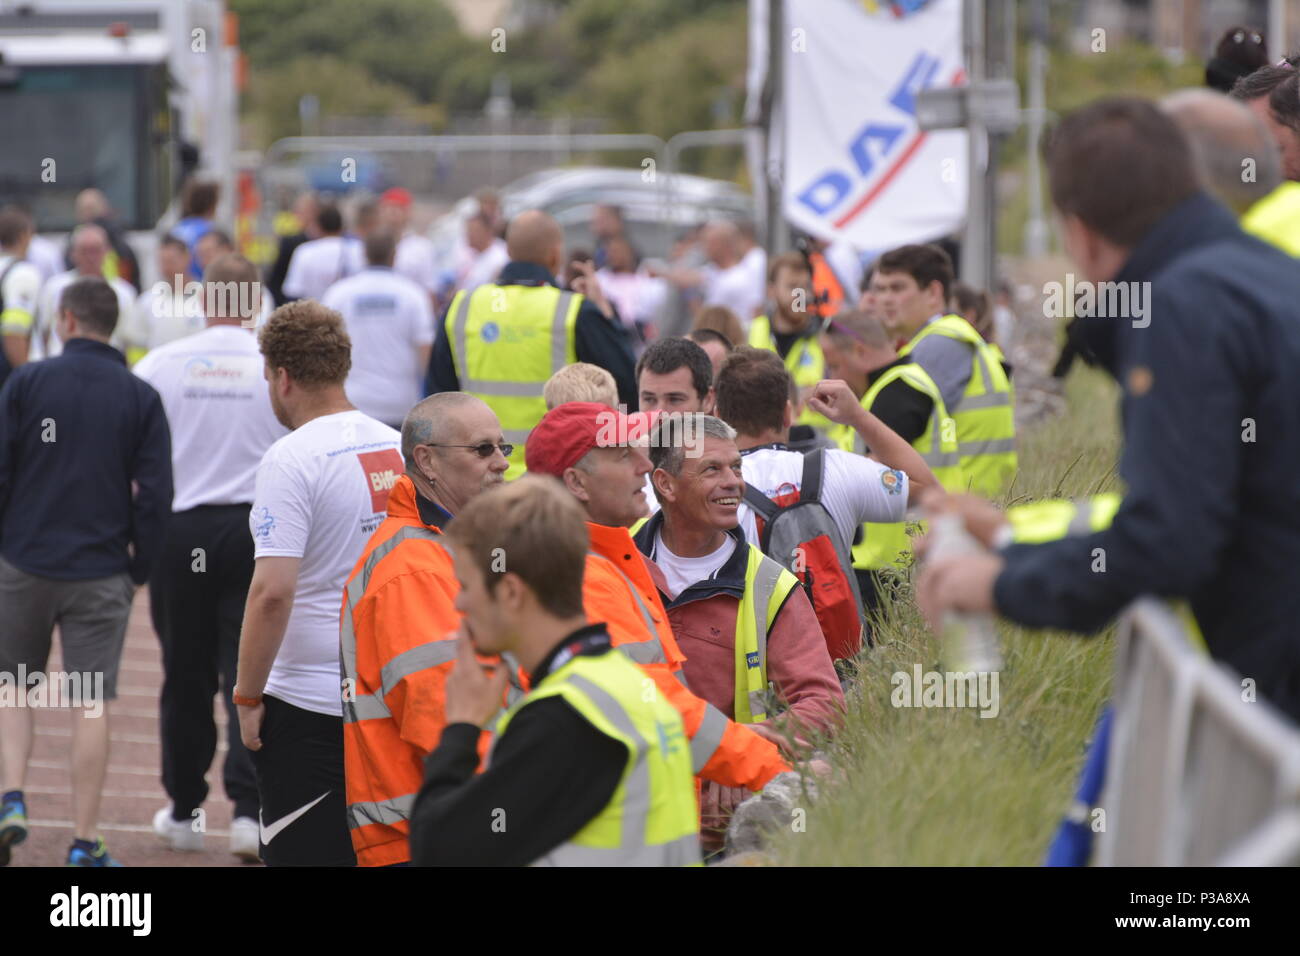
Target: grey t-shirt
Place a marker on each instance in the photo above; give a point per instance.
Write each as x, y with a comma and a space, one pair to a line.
949, 363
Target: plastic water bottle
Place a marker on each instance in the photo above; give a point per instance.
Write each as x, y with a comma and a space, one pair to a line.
969, 641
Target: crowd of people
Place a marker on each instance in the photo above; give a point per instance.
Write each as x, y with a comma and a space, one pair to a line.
489, 566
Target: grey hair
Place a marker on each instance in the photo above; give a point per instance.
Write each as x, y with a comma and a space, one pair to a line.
429, 420
1223, 134
677, 434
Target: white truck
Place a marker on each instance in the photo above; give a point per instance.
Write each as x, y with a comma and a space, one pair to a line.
127, 96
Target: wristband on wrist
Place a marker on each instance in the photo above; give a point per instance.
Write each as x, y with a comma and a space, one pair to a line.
243, 701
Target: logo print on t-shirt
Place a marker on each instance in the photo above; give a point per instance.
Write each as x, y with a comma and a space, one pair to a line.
382, 469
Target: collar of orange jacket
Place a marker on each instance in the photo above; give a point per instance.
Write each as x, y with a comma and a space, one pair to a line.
401, 499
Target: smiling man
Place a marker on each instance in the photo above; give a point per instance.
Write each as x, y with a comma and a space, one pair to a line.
753, 645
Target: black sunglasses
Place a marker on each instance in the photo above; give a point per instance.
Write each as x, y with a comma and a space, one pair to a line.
483, 449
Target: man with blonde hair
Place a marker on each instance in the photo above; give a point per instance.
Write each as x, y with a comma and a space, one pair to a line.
580, 382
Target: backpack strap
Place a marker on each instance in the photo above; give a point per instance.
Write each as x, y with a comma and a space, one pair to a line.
814, 466
764, 506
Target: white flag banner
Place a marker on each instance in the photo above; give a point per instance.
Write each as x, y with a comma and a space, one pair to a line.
857, 166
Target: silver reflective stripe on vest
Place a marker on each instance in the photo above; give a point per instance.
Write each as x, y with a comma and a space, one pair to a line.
559, 350
636, 786
708, 737
987, 400
515, 436
764, 586
683, 851
487, 386
936, 457
1081, 523
386, 812
992, 446
368, 706
642, 652
559, 333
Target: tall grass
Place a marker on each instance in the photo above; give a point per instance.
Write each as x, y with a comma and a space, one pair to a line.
945, 786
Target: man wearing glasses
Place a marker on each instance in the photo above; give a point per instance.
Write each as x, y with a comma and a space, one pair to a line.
397, 631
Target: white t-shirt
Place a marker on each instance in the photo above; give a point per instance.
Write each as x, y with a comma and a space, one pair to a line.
680, 573
388, 318
46, 256
474, 268
638, 297
321, 491
157, 318
855, 489
45, 340
21, 294
415, 259
737, 288
319, 263
219, 413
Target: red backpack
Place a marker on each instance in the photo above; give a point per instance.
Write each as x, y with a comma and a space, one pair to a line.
799, 533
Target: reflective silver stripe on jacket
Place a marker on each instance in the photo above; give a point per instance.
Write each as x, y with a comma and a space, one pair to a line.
386, 812
509, 389
371, 706
708, 737
1081, 523
990, 398
683, 851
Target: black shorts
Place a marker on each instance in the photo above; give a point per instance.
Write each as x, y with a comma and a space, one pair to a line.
300, 785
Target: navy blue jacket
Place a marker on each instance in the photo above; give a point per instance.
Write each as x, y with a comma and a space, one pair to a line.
1211, 456
75, 432
597, 340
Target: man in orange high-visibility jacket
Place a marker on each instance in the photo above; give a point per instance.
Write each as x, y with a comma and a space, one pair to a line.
398, 623
591, 448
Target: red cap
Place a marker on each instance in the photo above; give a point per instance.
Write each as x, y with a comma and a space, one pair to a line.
569, 431
397, 196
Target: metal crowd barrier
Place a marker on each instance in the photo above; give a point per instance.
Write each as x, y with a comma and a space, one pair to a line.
1197, 775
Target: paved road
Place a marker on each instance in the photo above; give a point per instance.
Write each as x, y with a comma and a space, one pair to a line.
133, 791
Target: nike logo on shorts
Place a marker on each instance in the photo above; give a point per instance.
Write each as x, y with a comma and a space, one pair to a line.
271, 832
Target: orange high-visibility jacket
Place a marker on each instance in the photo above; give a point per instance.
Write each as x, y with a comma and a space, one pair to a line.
619, 589
398, 646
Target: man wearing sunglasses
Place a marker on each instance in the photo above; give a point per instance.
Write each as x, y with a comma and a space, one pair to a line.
399, 619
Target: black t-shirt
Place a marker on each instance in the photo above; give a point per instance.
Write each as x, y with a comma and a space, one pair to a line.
899, 405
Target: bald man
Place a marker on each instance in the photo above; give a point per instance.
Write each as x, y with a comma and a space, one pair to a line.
501, 341
89, 247
1240, 164
399, 616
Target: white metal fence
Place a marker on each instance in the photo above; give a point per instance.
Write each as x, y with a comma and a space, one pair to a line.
1197, 773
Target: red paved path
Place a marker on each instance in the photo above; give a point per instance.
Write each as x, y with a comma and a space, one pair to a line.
133, 789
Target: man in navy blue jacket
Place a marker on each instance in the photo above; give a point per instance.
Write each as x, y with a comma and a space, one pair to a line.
85, 493
1207, 353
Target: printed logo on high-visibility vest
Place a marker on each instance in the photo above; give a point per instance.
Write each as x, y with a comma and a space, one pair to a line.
751, 660
490, 332
382, 469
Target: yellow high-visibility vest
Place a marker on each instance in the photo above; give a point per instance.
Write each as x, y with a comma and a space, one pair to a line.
767, 585
986, 419
1276, 218
805, 363
506, 341
652, 818
886, 545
